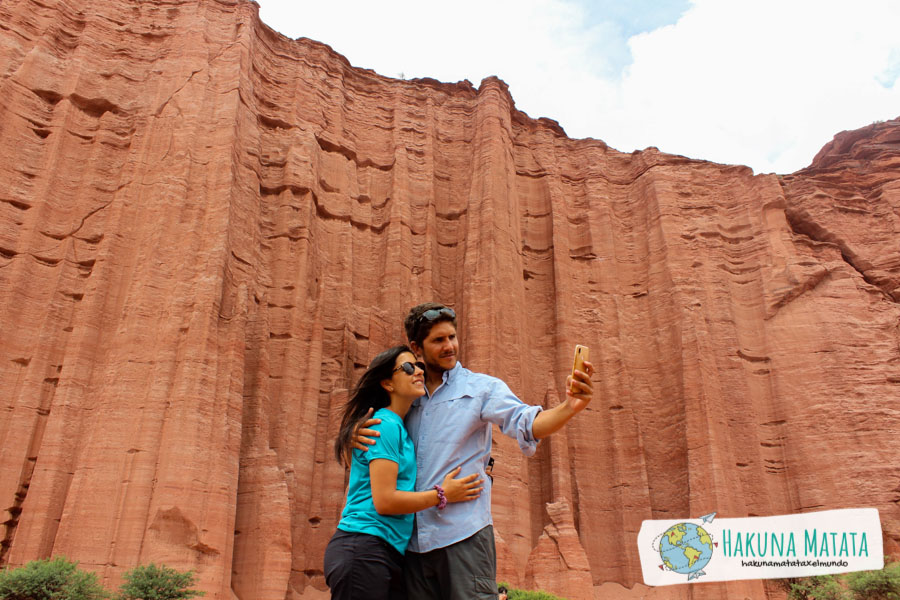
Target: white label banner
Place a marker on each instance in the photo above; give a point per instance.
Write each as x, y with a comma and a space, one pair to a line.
801, 545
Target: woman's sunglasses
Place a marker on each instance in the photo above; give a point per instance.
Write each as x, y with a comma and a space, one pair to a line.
410, 368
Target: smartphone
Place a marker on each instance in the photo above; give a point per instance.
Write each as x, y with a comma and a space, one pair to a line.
581, 355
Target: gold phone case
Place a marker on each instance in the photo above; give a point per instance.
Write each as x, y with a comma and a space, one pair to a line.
581, 355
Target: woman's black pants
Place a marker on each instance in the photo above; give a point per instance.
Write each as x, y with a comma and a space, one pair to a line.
359, 566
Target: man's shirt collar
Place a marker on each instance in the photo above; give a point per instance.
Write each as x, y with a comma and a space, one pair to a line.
447, 378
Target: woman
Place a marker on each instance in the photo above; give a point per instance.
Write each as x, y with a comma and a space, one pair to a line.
364, 558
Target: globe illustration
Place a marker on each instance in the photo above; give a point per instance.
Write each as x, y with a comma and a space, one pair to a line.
685, 548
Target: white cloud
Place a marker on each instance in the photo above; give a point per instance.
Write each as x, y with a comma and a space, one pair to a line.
764, 83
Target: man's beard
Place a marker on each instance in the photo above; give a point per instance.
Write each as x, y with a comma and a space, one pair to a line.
436, 368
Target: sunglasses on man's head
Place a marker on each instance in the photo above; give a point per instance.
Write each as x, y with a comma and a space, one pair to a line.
410, 368
432, 314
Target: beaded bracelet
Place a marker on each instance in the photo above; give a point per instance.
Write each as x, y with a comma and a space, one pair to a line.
442, 499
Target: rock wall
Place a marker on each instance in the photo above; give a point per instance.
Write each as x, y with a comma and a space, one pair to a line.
207, 230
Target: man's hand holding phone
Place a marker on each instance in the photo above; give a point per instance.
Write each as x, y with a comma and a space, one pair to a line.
579, 388
579, 391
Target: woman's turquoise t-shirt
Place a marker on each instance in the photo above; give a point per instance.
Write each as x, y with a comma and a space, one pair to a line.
359, 514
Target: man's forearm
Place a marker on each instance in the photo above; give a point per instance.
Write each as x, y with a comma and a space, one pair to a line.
550, 421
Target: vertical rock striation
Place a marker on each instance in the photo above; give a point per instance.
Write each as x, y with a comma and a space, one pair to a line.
207, 230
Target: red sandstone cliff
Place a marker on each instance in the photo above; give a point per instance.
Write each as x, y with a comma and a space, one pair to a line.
207, 230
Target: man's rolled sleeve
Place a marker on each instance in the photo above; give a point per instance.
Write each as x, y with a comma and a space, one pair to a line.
514, 418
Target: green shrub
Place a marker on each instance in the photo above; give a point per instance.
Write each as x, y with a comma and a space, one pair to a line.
822, 587
50, 579
515, 594
151, 582
883, 584
876, 585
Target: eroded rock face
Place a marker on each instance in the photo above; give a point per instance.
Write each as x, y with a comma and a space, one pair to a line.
207, 230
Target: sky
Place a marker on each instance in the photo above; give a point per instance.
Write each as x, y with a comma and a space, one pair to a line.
762, 83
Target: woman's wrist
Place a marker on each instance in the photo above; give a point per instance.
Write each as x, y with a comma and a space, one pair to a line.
442, 497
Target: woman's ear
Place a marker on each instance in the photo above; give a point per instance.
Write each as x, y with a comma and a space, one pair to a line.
388, 385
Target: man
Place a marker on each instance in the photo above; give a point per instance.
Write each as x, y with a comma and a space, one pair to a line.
451, 555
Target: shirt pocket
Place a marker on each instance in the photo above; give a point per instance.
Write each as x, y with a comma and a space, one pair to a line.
455, 418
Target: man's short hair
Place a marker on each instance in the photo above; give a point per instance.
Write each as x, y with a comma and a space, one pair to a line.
418, 326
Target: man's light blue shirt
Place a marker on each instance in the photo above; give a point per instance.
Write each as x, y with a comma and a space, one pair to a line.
451, 428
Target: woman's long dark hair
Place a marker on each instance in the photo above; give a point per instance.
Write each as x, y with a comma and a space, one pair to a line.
367, 394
